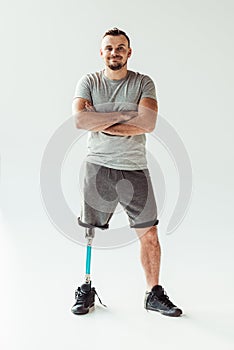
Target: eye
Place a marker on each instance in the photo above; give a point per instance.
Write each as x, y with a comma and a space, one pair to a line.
121, 48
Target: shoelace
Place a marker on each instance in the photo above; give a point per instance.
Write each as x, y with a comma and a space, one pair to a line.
164, 299
82, 296
99, 298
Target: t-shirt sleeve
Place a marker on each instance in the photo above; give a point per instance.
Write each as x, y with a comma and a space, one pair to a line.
148, 88
83, 89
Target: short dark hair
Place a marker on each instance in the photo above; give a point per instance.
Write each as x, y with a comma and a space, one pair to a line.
115, 32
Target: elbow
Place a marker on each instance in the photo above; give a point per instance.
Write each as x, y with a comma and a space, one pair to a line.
150, 128
77, 120
78, 125
152, 124
149, 122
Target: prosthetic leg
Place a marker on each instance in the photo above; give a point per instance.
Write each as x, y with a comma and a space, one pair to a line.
89, 235
85, 295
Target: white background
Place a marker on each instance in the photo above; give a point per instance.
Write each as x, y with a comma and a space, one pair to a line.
187, 48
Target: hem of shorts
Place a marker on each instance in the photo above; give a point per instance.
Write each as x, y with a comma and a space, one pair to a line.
83, 224
117, 168
146, 224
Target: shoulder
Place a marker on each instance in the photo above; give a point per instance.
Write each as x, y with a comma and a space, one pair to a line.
140, 77
90, 78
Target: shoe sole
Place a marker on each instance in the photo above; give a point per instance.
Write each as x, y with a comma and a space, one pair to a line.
85, 313
166, 314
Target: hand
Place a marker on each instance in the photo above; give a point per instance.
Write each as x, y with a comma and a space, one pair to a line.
128, 115
89, 107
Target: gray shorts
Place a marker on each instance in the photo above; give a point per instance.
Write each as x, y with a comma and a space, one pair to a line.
105, 187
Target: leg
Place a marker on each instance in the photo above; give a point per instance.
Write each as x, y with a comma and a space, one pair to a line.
100, 197
89, 235
155, 299
85, 295
150, 254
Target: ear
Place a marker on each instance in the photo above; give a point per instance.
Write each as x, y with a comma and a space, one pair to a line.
101, 52
129, 52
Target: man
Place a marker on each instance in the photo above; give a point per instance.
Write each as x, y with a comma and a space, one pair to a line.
119, 107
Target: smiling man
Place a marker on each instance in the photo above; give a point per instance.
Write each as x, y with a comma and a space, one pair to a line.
119, 58
119, 107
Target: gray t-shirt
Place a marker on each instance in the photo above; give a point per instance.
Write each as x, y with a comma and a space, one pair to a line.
106, 95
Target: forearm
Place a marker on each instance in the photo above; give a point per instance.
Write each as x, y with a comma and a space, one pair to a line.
142, 123
117, 123
124, 130
95, 121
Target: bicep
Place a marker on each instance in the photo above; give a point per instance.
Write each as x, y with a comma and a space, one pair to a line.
148, 103
78, 105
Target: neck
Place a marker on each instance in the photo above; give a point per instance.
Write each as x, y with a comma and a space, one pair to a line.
116, 74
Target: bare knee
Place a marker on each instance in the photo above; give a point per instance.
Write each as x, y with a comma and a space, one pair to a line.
149, 235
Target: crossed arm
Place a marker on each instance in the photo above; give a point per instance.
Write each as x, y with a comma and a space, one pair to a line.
116, 123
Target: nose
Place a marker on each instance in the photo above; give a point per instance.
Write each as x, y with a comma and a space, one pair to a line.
114, 52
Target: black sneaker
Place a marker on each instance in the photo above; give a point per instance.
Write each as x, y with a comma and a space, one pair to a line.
85, 299
157, 300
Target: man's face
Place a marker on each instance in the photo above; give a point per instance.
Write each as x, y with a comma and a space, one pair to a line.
115, 51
